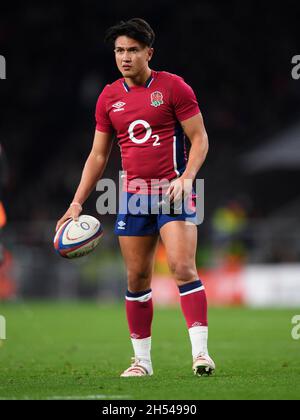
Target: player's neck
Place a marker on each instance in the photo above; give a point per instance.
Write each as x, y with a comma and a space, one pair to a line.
140, 79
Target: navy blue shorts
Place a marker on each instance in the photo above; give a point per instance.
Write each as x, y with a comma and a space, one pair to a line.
150, 217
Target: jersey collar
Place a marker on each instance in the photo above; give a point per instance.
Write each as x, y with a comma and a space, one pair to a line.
146, 85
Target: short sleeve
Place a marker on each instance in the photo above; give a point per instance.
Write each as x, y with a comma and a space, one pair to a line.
103, 122
184, 100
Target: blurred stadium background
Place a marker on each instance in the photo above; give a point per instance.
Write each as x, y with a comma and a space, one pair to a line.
237, 56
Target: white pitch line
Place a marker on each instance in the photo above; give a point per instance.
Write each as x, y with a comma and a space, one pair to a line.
91, 397
75, 397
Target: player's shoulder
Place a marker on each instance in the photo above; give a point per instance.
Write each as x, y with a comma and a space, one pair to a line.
170, 77
114, 86
175, 84
111, 91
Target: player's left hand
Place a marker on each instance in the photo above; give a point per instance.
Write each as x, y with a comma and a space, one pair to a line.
180, 189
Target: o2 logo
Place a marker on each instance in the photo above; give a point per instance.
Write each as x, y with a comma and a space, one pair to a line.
296, 329
296, 69
147, 136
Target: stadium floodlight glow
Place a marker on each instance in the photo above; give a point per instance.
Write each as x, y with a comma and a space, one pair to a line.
2, 67
2, 328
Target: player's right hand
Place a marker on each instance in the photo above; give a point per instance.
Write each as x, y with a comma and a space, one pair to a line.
73, 212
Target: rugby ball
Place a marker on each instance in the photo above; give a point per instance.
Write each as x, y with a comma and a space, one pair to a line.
76, 239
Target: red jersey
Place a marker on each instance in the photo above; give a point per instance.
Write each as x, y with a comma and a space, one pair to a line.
146, 120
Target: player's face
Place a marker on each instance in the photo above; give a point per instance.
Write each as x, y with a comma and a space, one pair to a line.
132, 57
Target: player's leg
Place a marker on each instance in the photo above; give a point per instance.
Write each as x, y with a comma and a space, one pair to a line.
180, 240
138, 253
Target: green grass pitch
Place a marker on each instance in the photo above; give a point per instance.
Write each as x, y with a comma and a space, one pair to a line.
78, 350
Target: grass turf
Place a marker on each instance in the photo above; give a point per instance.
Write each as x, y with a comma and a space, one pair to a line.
77, 350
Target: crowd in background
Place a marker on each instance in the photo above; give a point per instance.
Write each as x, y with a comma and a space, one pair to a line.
235, 55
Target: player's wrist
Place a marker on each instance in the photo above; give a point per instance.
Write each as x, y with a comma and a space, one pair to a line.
76, 204
188, 177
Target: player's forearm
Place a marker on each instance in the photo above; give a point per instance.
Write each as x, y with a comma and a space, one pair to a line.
197, 156
92, 172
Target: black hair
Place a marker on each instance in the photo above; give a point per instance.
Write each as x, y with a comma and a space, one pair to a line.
135, 28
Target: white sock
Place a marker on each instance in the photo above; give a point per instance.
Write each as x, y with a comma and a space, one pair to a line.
142, 351
198, 337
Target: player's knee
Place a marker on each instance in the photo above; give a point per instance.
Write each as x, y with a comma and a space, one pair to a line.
138, 281
183, 271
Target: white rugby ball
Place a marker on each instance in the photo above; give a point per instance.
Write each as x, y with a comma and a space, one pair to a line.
76, 239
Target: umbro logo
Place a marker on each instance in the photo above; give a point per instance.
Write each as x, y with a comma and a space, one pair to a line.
119, 106
121, 225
